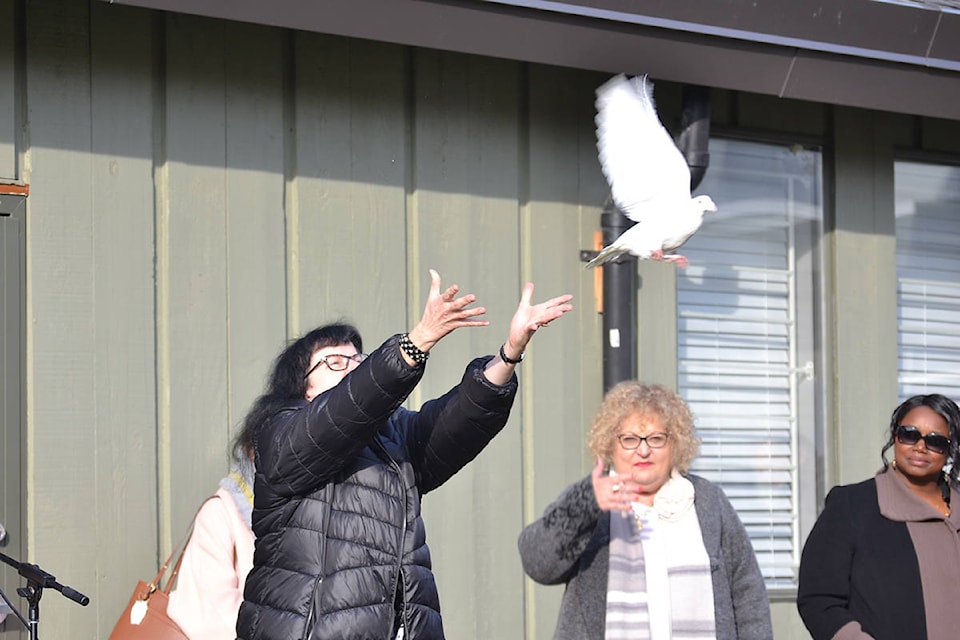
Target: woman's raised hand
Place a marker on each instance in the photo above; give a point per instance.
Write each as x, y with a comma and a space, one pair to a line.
525, 322
528, 318
613, 493
444, 313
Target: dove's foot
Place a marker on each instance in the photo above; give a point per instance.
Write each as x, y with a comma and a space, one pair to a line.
680, 261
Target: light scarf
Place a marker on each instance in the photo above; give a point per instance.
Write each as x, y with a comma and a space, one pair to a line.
671, 526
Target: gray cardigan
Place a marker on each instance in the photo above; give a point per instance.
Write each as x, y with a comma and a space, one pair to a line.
570, 544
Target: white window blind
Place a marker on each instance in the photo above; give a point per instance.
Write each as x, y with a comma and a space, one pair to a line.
746, 318
928, 278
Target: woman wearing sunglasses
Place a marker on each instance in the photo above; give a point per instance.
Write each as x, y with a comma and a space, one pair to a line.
341, 467
883, 559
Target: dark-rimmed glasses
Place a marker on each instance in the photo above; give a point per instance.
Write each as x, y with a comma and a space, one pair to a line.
910, 435
630, 441
337, 362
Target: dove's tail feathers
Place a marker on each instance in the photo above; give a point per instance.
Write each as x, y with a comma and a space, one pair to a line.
608, 253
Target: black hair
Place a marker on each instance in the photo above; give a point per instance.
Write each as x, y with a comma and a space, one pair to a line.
286, 381
946, 409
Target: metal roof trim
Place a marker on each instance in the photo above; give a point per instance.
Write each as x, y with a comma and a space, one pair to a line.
624, 17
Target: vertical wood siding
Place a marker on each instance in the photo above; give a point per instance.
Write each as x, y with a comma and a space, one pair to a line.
64, 458
117, 201
204, 191
8, 104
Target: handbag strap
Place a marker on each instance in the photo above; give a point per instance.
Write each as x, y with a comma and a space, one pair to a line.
176, 568
181, 548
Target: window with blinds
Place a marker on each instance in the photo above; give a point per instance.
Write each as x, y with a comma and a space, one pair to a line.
747, 325
928, 278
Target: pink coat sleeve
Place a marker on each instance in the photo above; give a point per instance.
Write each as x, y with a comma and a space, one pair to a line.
209, 588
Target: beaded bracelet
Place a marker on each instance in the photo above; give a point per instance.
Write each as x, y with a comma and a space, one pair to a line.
413, 351
503, 356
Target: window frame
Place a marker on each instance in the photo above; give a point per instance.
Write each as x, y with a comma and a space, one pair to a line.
933, 159
808, 434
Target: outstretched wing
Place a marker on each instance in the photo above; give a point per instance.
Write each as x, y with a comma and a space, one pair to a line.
647, 174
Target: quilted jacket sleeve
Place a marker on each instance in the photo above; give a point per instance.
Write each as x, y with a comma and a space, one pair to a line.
307, 444
550, 548
447, 433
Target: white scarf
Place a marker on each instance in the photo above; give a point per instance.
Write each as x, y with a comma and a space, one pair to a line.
671, 525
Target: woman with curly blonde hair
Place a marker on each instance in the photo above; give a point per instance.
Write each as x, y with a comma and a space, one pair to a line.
634, 397
646, 549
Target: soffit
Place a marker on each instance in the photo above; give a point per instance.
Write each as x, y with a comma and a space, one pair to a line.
891, 56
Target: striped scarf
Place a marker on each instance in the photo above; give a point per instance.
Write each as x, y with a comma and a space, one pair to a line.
671, 531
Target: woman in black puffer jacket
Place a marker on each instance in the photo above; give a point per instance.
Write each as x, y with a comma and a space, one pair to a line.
341, 467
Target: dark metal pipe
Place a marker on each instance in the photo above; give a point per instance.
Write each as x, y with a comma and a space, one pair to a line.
694, 140
619, 304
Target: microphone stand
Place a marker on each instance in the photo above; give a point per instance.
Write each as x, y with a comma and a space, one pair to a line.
37, 581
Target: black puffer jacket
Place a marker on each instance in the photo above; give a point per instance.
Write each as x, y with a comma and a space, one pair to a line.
341, 546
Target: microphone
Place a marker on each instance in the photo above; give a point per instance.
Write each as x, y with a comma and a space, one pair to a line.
38, 577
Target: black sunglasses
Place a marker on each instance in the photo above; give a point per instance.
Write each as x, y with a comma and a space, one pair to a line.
935, 442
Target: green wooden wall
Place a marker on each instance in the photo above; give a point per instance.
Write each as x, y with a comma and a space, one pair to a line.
202, 191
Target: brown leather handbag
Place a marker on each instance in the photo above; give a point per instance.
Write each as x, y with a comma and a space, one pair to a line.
145, 617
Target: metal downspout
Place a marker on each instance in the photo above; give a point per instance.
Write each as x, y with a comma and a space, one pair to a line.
619, 304
694, 140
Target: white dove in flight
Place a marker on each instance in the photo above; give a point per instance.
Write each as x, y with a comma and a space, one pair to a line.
648, 176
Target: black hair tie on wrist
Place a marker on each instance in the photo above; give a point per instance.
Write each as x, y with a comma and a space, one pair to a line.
413, 351
503, 356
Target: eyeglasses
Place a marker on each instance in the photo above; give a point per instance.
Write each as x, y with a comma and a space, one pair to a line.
337, 362
911, 435
630, 441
